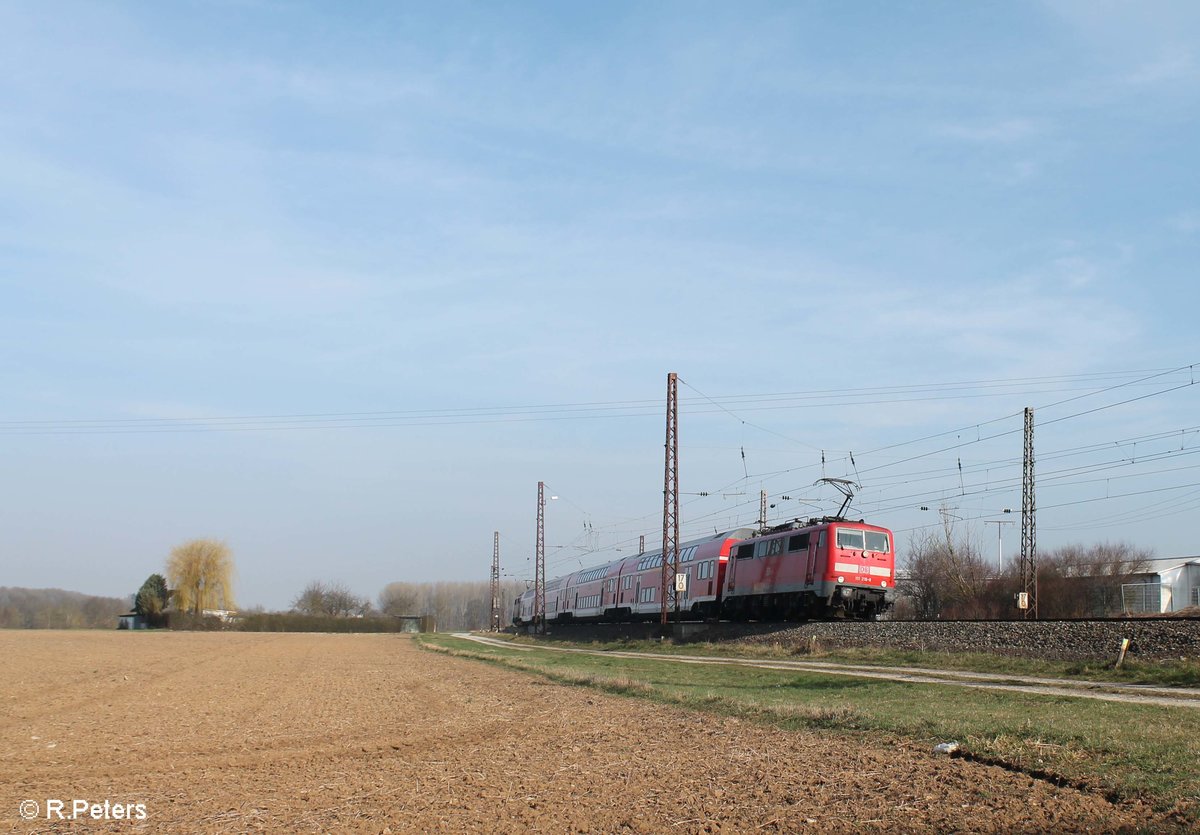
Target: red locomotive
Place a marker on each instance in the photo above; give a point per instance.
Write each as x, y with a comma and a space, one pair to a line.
827, 568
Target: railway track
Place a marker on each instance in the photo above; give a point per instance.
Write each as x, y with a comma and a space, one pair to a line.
1150, 639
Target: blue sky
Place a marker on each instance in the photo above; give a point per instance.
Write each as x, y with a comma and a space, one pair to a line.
215, 215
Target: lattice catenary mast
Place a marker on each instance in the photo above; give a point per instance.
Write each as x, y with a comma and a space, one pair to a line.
539, 576
494, 621
1028, 524
670, 549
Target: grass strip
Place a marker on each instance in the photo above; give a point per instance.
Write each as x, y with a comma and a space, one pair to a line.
1172, 673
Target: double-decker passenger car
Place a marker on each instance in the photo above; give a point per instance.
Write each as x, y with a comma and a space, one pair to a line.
631, 587
628, 588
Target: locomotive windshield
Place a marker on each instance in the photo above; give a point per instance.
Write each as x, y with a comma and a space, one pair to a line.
862, 540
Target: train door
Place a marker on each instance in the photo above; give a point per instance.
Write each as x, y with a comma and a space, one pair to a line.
815, 552
772, 551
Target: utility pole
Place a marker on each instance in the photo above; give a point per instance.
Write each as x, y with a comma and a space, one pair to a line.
539, 575
762, 510
670, 549
641, 544
1028, 594
494, 623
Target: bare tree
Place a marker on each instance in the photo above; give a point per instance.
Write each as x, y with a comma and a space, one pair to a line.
398, 599
946, 576
463, 605
311, 601
1082, 581
333, 600
201, 574
340, 602
922, 586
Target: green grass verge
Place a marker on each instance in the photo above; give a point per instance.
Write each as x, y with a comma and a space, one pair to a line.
1129, 750
1163, 673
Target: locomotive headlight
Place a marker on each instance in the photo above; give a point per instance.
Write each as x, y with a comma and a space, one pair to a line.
883, 584
841, 579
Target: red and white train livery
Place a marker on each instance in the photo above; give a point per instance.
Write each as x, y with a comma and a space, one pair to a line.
829, 567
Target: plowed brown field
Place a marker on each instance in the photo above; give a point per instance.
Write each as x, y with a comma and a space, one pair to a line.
299, 733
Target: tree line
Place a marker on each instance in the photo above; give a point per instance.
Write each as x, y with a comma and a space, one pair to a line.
453, 605
945, 575
58, 609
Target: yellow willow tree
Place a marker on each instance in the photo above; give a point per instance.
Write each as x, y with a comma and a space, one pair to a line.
201, 575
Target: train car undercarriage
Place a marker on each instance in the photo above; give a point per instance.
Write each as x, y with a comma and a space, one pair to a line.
844, 603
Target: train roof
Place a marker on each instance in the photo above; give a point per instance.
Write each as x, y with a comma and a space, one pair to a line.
800, 524
618, 556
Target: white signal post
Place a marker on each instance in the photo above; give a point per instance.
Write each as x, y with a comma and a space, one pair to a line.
999, 523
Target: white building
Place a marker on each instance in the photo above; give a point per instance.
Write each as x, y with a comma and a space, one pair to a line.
1169, 585
223, 615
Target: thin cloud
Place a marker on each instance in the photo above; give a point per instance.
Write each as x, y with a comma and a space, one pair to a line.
1186, 222
1174, 65
1002, 132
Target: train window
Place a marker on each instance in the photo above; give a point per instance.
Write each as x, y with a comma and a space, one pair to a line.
774, 546
848, 538
877, 541
799, 542
745, 551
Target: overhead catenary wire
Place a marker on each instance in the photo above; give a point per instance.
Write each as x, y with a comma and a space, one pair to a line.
741, 513
732, 405
588, 410
980, 439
